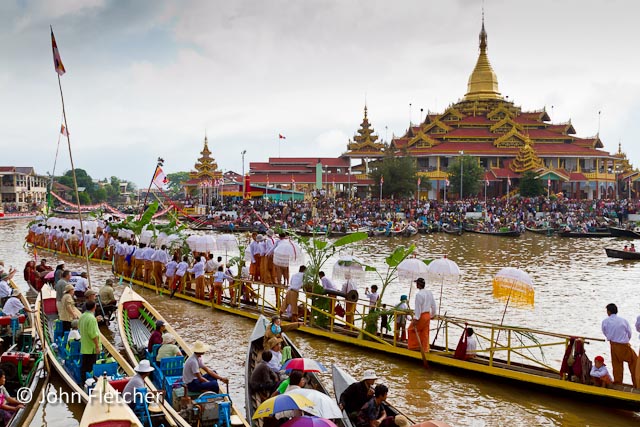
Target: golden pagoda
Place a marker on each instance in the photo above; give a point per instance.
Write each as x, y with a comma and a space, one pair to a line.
364, 143
505, 140
206, 180
206, 167
483, 82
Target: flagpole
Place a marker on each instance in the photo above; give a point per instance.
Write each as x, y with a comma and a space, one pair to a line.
75, 180
485, 194
146, 196
53, 173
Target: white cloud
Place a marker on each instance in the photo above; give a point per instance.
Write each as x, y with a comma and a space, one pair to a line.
148, 78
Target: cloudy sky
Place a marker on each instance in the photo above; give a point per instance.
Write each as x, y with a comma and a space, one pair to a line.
148, 78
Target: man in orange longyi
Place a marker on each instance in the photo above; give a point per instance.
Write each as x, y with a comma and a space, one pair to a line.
618, 333
425, 309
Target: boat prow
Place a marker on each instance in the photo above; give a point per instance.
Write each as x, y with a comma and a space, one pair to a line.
106, 408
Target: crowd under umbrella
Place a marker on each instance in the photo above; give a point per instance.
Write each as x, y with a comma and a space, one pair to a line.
324, 405
284, 402
410, 269
443, 270
348, 267
514, 286
303, 364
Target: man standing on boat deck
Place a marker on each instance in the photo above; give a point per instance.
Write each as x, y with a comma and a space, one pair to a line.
89, 339
425, 309
618, 332
291, 298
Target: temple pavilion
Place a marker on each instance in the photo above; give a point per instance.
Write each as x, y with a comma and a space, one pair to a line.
505, 140
206, 181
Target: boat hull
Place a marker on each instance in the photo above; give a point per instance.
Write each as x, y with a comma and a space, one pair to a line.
617, 253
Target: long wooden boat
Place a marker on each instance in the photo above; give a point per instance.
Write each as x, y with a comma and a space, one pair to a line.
505, 233
253, 400
584, 234
624, 232
23, 363
547, 231
67, 361
136, 320
498, 365
67, 255
453, 230
620, 254
342, 380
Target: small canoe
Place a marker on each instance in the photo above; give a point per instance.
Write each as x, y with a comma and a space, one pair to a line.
342, 380
253, 400
507, 233
136, 320
24, 365
620, 254
453, 230
623, 232
547, 231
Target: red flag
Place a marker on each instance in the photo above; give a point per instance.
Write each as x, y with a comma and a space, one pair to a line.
281, 136
57, 62
418, 181
548, 182
63, 130
381, 179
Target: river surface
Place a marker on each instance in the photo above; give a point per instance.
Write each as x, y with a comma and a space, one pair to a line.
573, 280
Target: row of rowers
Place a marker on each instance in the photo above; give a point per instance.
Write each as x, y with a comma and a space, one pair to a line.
99, 245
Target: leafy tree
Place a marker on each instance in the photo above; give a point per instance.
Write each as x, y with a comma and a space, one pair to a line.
531, 185
319, 251
176, 182
472, 176
100, 195
399, 173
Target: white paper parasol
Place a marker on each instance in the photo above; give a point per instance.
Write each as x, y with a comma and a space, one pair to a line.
442, 270
288, 252
227, 242
205, 244
348, 267
412, 268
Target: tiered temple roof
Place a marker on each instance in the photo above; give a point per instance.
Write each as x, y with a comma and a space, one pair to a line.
206, 167
364, 143
483, 123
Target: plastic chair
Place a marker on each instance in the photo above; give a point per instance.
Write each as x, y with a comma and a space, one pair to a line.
110, 369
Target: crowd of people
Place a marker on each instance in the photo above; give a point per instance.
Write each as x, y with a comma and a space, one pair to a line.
341, 214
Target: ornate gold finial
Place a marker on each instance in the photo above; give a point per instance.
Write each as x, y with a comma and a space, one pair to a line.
483, 82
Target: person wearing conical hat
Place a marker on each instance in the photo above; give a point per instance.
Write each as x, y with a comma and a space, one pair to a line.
143, 370
192, 377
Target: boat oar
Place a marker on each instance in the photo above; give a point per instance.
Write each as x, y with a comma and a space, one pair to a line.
438, 330
104, 315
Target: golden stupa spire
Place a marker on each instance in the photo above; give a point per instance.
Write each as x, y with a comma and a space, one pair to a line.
483, 82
